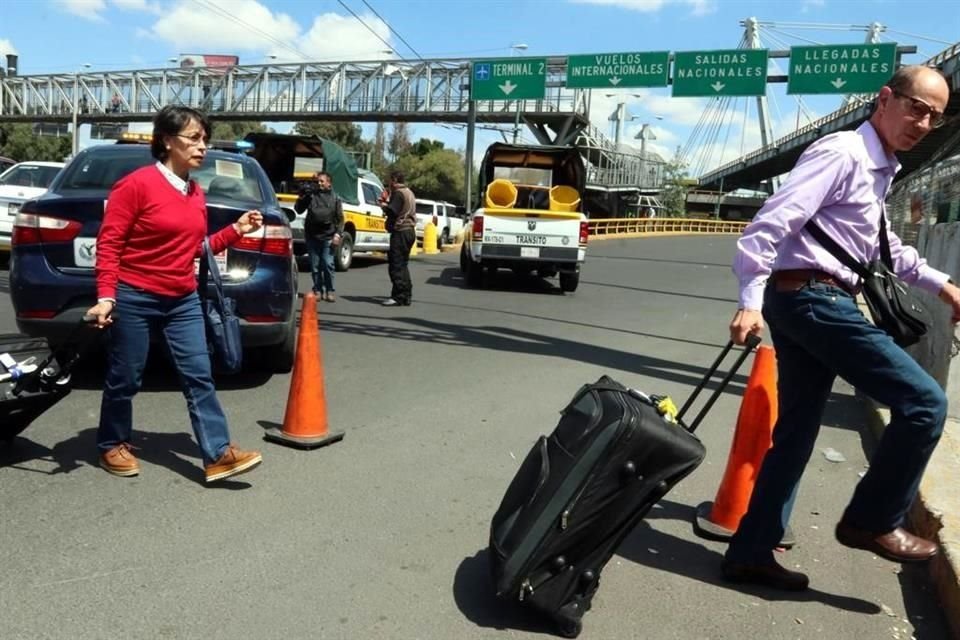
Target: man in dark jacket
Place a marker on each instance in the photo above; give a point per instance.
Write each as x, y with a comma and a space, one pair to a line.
400, 211
322, 227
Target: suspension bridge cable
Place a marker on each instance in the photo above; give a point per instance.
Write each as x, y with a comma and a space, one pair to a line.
913, 35
793, 35
392, 30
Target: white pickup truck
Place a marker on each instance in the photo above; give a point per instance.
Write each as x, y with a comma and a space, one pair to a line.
443, 215
530, 218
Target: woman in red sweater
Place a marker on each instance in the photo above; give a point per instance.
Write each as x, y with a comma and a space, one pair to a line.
153, 228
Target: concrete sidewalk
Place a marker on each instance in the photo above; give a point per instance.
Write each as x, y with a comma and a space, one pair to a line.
936, 514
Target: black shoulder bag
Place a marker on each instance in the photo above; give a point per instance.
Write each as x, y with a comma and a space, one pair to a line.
219, 316
893, 307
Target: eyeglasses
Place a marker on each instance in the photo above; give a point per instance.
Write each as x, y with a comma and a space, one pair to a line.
920, 110
195, 139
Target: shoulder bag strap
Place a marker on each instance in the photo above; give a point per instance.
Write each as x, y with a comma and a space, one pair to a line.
884, 240
208, 264
835, 249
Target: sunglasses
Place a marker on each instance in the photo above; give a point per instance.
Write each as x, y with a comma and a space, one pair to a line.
920, 110
195, 139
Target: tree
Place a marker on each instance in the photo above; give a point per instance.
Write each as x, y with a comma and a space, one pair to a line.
436, 175
235, 130
399, 140
676, 182
346, 134
18, 141
425, 146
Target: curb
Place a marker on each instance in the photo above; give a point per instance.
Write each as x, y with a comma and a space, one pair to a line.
936, 512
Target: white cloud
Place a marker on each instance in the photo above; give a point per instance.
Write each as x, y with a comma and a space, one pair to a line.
809, 5
87, 9
699, 7
138, 5
6, 48
248, 25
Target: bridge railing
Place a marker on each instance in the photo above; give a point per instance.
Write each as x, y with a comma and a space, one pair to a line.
621, 226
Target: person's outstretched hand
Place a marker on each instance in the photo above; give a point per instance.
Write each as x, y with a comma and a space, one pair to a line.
745, 322
249, 222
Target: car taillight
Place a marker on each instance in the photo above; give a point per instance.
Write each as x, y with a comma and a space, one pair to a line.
584, 232
30, 228
477, 227
274, 239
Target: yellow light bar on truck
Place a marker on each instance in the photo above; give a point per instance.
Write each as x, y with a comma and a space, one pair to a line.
139, 138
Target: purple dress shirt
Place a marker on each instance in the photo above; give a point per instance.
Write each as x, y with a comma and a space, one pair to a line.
843, 179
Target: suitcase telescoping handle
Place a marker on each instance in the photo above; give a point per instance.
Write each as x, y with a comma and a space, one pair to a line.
752, 342
81, 334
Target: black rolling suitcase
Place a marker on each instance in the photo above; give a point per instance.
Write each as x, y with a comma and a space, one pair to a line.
581, 490
34, 377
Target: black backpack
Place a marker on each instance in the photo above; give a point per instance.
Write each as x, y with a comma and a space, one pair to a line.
320, 217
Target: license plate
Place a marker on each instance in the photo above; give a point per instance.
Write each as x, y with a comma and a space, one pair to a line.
13, 208
529, 252
85, 252
219, 258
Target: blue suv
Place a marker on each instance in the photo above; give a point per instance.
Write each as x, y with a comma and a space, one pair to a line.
52, 280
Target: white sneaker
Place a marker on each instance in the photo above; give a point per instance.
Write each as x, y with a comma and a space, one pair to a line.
390, 302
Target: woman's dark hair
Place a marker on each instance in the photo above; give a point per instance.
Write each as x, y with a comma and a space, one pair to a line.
170, 121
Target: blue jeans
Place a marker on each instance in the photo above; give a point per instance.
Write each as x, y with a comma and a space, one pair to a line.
820, 333
180, 322
321, 263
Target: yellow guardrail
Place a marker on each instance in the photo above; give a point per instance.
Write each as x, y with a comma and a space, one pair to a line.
618, 226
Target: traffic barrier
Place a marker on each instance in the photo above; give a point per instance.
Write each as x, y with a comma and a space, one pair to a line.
718, 520
600, 227
305, 420
564, 198
430, 238
501, 194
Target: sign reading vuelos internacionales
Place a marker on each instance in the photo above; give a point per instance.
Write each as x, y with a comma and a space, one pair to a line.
730, 72
609, 70
508, 79
847, 68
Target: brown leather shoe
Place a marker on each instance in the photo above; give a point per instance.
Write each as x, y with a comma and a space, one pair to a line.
233, 462
120, 461
331, 297
898, 545
768, 575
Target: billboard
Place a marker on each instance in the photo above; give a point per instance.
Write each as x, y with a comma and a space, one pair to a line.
193, 60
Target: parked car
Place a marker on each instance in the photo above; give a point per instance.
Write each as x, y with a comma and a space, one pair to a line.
52, 279
443, 215
531, 216
291, 160
19, 183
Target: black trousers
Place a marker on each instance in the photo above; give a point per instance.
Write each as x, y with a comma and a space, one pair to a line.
397, 258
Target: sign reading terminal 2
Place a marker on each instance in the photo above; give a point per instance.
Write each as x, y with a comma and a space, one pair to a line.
509, 79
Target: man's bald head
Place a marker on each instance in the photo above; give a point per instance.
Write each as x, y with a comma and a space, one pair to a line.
909, 106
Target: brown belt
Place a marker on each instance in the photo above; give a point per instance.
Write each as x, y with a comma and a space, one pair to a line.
796, 279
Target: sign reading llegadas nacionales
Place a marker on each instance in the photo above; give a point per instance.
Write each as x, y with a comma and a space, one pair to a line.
609, 70
728, 72
844, 68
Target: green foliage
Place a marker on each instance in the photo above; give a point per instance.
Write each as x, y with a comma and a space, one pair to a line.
437, 174
235, 130
676, 183
346, 134
18, 141
425, 146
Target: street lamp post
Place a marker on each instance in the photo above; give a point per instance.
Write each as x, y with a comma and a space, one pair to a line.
514, 48
645, 134
76, 108
620, 115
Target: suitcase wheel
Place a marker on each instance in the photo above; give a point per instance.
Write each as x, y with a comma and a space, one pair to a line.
570, 628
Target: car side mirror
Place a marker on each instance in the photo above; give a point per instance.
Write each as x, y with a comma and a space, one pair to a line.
290, 213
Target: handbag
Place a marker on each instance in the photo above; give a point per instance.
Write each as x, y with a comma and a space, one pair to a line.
892, 305
219, 316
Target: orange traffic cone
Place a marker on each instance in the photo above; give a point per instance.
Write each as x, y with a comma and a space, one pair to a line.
718, 520
305, 420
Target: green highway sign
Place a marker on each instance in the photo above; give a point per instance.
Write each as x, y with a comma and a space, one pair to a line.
843, 68
508, 79
728, 72
610, 70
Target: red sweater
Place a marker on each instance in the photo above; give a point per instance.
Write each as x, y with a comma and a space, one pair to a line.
151, 234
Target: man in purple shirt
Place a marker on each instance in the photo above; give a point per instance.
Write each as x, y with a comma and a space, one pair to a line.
807, 298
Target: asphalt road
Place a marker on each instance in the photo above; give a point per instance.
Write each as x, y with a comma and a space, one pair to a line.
383, 535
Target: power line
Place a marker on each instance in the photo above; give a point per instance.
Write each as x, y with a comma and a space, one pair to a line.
392, 30
210, 6
369, 28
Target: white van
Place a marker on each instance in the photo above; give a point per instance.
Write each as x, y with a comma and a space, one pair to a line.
443, 215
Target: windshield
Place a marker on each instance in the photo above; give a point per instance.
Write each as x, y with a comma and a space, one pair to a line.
220, 178
29, 175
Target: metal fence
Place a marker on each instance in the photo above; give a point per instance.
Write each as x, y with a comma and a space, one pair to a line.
928, 197
619, 226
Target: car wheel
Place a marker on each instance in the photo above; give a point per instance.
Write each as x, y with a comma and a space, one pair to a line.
474, 273
344, 256
279, 358
569, 282
463, 260
445, 236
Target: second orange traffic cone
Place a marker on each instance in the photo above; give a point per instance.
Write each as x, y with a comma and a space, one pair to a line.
752, 437
305, 420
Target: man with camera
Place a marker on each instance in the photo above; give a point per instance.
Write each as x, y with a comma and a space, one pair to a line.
322, 227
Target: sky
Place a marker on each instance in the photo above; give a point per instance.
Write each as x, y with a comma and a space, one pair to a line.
60, 35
